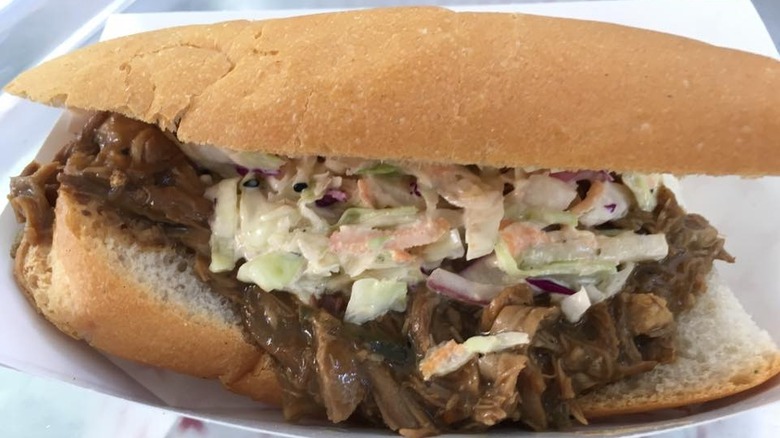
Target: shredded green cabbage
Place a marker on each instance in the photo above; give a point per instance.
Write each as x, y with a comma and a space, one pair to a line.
372, 298
385, 217
631, 247
508, 264
449, 356
595, 250
644, 189
493, 343
449, 246
546, 217
378, 169
224, 225
272, 271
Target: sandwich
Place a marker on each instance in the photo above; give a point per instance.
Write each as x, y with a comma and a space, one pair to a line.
413, 218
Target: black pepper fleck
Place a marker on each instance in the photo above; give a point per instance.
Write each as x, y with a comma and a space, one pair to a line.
508, 188
299, 187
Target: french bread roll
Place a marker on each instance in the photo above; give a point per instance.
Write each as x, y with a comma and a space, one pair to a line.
422, 84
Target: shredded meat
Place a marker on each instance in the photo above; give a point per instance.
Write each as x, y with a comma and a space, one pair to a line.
137, 169
693, 245
32, 197
500, 401
647, 315
368, 373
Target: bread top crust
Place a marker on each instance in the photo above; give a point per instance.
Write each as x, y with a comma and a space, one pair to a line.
430, 84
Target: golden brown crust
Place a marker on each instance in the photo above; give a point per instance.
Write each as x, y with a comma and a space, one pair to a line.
77, 285
430, 84
764, 369
259, 383
32, 271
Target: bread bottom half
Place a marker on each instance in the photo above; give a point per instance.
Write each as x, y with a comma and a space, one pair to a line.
141, 303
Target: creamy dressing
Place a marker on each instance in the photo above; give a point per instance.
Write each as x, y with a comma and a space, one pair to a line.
369, 229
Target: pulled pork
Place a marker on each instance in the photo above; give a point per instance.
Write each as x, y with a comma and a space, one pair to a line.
368, 373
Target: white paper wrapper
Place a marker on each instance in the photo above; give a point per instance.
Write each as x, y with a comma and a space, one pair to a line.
746, 211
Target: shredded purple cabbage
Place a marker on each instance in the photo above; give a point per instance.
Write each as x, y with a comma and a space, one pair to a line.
611, 207
460, 289
414, 189
547, 285
331, 197
426, 271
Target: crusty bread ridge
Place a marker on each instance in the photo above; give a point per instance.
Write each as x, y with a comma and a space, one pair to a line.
431, 84
101, 287
94, 283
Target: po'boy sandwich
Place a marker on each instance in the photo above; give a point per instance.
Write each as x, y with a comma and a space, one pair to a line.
427, 220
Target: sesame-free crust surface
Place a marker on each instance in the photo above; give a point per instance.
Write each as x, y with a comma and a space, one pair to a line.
93, 282
434, 85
